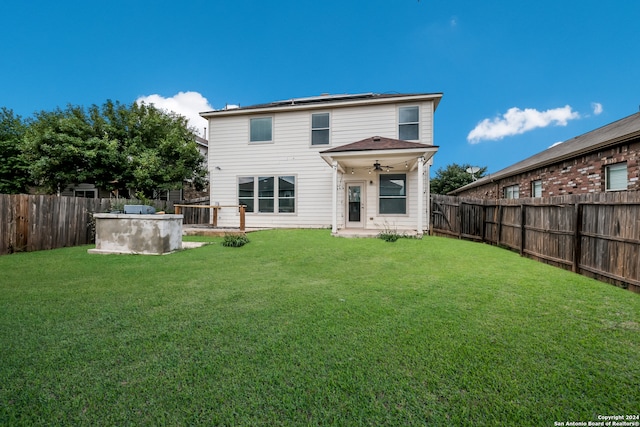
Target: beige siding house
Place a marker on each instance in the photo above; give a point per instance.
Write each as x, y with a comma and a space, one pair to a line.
345, 162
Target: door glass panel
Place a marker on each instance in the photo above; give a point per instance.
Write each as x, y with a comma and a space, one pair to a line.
354, 203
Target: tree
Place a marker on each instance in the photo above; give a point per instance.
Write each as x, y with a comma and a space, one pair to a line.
453, 177
125, 147
14, 170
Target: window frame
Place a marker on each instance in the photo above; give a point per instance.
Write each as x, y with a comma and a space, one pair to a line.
617, 167
315, 130
260, 141
250, 207
403, 197
256, 198
537, 183
507, 194
416, 123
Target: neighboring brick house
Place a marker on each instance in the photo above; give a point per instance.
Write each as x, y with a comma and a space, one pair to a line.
605, 159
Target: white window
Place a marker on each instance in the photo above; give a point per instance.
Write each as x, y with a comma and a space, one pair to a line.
512, 192
393, 194
261, 129
408, 123
320, 129
246, 192
267, 194
616, 177
536, 188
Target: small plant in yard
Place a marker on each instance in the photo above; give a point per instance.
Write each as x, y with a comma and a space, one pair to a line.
235, 240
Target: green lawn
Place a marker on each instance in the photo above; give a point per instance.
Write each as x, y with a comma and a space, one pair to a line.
299, 328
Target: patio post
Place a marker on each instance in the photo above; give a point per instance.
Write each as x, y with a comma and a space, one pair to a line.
420, 195
334, 198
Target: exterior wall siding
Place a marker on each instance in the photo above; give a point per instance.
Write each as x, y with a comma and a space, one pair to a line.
231, 156
580, 175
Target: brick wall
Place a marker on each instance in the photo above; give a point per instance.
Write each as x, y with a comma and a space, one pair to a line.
580, 175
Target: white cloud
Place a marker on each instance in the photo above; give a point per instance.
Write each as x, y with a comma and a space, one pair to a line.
597, 108
516, 121
187, 104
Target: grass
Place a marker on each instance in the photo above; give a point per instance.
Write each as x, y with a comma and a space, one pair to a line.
299, 328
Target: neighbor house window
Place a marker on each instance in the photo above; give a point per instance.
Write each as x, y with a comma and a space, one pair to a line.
616, 177
89, 194
246, 192
536, 188
261, 129
408, 123
512, 192
320, 129
393, 194
268, 194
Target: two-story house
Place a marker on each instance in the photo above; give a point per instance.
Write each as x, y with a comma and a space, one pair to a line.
345, 162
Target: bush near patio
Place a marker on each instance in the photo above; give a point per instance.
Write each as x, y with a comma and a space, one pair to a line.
299, 328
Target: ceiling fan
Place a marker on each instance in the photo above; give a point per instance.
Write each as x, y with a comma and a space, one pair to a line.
378, 167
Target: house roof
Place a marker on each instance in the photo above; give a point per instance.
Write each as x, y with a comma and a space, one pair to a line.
617, 132
378, 143
378, 149
322, 101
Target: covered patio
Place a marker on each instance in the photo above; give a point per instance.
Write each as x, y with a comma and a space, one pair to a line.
380, 183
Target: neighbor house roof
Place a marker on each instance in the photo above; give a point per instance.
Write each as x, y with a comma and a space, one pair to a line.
322, 101
622, 130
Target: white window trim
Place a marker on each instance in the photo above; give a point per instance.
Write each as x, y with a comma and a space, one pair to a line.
409, 123
533, 186
406, 196
505, 191
311, 144
617, 167
276, 198
273, 128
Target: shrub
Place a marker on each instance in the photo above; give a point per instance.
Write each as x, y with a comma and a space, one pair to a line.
235, 240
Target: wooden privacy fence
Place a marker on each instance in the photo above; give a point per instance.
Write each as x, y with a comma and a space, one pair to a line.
597, 235
37, 222
196, 211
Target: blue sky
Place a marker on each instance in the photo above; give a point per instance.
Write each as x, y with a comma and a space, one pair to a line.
517, 76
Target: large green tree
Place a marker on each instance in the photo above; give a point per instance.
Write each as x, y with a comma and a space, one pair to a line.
126, 147
454, 176
14, 169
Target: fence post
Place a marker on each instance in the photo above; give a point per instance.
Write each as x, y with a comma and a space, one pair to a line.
460, 212
214, 220
523, 231
242, 223
577, 238
499, 227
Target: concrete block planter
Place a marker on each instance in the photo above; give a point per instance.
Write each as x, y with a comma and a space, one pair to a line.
137, 234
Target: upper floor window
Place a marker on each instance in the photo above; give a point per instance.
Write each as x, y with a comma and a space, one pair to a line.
261, 129
408, 123
616, 177
536, 188
512, 192
320, 129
